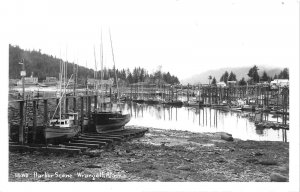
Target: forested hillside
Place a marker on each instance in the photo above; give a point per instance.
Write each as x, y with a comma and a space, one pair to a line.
43, 65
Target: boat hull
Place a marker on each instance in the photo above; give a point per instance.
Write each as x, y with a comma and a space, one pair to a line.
221, 107
55, 132
174, 103
107, 122
151, 102
138, 100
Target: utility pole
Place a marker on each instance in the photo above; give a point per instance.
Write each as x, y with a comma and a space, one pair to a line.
23, 74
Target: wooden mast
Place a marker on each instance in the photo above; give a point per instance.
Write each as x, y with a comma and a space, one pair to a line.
112, 51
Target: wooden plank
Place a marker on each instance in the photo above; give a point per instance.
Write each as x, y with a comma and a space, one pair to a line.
61, 150
89, 142
74, 147
83, 145
97, 135
102, 137
95, 139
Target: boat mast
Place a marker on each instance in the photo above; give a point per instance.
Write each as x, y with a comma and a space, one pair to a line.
86, 89
102, 72
65, 78
95, 73
112, 51
60, 85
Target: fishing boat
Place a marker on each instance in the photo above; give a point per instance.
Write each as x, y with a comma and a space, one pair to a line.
192, 103
108, 121
248, 108
138, 100
64, 126
222, 106
152, 101
176, 103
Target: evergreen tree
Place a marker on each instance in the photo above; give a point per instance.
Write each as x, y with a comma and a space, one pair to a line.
284, 74
242, 82
265, 77
214, 81
253, 74
224, 77
232, 77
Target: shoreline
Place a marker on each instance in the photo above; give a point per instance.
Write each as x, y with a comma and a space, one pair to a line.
160, 155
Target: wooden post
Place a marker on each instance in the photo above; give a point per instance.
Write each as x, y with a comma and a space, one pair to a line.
199, 94
21, 127
34, 121
67, 105
89, 107
81, 112
131, 92
187, 92
74, 104
45, 112
95, 102
110, 95
58, 109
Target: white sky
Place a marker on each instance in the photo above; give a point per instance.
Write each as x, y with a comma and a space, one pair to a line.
186, 37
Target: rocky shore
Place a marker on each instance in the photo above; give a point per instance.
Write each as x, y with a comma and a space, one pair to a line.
161, 155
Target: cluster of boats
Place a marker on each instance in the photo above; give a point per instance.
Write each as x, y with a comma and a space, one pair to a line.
66, 126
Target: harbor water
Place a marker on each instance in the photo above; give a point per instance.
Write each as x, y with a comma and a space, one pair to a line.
239, 124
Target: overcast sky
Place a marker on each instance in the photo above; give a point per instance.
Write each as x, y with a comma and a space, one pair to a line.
186, 37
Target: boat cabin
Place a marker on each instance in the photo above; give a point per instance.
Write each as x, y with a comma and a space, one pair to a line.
68, 120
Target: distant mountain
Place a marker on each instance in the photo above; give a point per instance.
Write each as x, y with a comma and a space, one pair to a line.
239, 71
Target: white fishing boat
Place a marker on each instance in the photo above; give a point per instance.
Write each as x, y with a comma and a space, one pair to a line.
64, 126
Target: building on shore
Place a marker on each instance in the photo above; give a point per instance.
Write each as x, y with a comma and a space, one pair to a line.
221, 84
13, 82
50, 81
91, 81
279, 83
29, 81
231, 83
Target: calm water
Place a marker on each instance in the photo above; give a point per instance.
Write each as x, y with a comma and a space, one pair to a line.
200, 120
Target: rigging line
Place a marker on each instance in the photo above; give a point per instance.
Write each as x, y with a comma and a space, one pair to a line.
95, 72
112, 51
60, 100
102, 78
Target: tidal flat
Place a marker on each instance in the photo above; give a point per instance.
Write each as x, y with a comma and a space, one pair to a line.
160, 155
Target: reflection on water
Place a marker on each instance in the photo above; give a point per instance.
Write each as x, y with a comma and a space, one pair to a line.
200, 120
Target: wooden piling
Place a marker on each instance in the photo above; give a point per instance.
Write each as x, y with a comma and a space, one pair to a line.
74, 104
21, 127
95, 102
34, 120
187, 92
81, 113
67, 105
45, 112
89, 108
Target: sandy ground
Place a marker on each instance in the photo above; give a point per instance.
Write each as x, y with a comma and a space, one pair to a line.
161, 155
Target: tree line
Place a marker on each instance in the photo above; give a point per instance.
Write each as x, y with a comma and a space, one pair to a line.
43, 65
253, 75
